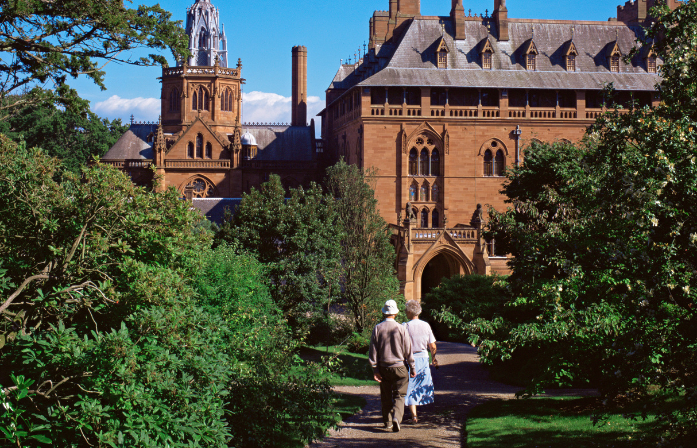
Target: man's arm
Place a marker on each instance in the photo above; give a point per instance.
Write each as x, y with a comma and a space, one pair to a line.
373, 356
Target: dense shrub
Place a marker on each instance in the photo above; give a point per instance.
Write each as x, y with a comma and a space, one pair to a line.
468, 297
274, 398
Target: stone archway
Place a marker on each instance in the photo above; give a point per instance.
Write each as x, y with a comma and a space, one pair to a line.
443, 263
440, 267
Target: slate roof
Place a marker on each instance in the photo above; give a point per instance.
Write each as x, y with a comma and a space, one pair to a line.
282, 143
413, 61
133, 144
214, 208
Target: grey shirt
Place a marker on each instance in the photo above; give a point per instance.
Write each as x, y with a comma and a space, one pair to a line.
421, 335
390, 346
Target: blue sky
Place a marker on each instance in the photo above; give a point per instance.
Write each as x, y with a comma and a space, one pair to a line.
262, 33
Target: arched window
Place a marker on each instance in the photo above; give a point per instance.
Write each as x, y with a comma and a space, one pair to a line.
200, 99
413, 162
202, 40
200, 188
423, 163
199, 146
434, 193
424, 218
499, 163
488, 163
174, 100
424, 193
227, 101
209, 151
435, 163
412, 192
190, 150
435, 219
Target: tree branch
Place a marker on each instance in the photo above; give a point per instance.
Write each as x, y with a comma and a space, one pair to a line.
26, 282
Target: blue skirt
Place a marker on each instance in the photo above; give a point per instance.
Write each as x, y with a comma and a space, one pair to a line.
420, 389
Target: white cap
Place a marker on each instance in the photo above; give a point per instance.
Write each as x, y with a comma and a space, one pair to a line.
390, 308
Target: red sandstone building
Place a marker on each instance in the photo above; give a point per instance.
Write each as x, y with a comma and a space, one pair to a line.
440, 105
200, 146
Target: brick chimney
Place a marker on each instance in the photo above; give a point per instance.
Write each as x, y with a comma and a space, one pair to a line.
457, 14
299, 101
409, 7
501, 17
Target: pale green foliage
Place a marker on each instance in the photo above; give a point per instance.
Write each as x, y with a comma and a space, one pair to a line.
368, 274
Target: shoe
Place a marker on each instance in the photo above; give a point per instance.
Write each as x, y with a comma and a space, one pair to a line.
395, 426
414, 420
388, 426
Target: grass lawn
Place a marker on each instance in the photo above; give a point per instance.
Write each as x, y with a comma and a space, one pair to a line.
551, 423
354, 369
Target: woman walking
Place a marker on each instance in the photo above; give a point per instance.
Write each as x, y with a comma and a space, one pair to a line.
420, 390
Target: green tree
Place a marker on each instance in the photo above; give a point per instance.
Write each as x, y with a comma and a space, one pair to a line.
274, 400
368, 274
102, 341
605, 246
75, 138
47, 42
298, 238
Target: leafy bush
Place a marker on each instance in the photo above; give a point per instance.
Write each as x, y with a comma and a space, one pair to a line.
358, 343
274, 398
466, 298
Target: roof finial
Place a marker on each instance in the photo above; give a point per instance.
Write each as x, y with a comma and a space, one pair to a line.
533, 32
573, 29
617, 34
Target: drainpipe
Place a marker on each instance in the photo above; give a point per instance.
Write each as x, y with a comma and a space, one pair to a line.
517, 132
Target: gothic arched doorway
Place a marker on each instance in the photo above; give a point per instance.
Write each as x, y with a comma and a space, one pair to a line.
441, 266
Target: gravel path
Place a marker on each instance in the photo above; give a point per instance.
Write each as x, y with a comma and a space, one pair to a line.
461, 383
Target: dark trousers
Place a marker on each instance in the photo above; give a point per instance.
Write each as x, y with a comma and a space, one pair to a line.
393, 389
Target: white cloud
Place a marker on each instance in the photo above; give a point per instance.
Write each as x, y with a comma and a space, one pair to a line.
257, 107
266, 107
117, 107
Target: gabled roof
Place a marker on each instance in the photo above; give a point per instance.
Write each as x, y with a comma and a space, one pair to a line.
133, 144
529, 47
569, 48
442, 46
411, 60
223, 142
614, 49
648, 51
485, 46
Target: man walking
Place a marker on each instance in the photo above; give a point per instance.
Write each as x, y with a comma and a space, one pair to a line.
390, 354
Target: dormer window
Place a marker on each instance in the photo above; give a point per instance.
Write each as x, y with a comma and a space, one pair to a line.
571, 63
614, 54
531, 62
486, 52
442, 51
530, 54
651, 64
649, 55
570, 54
615, 64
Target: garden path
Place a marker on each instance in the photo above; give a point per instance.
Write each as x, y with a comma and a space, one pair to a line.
461, 383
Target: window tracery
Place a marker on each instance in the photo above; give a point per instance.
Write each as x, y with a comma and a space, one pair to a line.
200, 100
174, 102
200, 187
494, 153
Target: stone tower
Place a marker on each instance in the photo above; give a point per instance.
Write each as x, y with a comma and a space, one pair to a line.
207, 39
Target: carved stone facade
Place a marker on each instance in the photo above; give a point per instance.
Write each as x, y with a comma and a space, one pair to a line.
200, 145
441, 105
